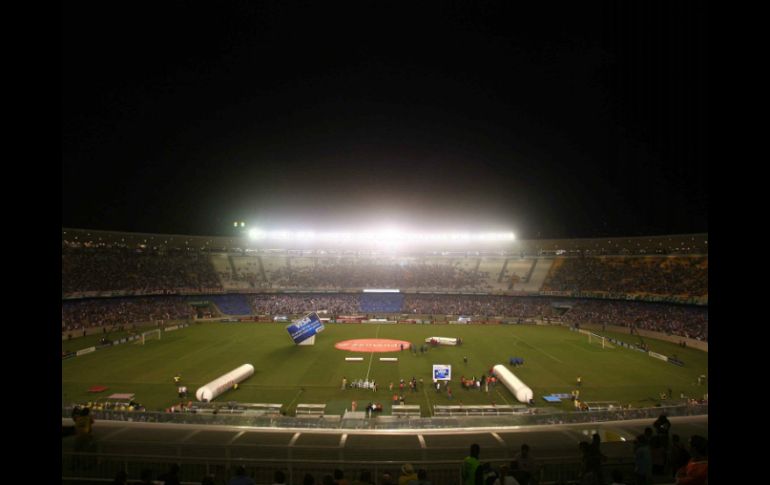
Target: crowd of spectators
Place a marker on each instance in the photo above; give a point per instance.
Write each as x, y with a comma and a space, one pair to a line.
479, 305
295, 304
685, 276
684, 321
363, 275
112, 312
118, 269
147, 271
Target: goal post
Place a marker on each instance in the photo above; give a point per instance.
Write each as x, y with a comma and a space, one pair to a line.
150, 335
593, 338
597, 339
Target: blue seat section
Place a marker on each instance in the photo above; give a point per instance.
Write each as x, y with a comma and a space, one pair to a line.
232, 304
382, 302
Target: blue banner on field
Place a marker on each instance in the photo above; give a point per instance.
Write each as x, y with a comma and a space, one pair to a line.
304, 328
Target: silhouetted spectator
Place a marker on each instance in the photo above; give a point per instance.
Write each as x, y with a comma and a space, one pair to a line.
696, 470
339, 477
470, 465
642, 461
617, 477
678, 454
327, 480
279, 478
171, 477
364, 478
422, 478
145, 477
121, 478
240, 477
407, 474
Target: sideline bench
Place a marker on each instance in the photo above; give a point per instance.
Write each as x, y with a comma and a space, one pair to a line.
310, 409
405, 410
476, 410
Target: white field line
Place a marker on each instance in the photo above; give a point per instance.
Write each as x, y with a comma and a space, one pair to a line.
542, 351
430, 406
299, 393
371, 356
501, 396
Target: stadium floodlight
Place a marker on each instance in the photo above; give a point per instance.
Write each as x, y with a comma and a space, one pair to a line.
384, 236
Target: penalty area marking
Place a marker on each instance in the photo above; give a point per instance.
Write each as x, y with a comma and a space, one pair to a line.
501, 396
542, 351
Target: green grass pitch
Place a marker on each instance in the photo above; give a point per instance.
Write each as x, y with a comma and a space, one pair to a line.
290, 374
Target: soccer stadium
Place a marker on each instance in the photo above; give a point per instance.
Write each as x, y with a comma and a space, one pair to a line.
371, 356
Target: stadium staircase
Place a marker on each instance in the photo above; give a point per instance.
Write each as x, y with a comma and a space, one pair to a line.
502, 272
232, 266
537, 274
531, 270
262, 269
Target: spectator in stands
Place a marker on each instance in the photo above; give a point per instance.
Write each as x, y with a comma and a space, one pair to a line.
587, 475
407, 474
422, 478
84, 440
364, 478
171, 477
470, 464
308, 480
506, 477
595, 458
240, 477
145, 477
387, 479
327, 480
658, 455
339, 475
121, 478
279, 478
617, 477
208, 480
526, 465
662, 425
642, 461
696, 470
678, 454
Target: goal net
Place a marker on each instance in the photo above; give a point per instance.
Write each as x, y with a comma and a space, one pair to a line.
149, 335
597, 339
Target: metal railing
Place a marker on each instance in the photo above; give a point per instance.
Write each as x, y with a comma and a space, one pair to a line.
539, 416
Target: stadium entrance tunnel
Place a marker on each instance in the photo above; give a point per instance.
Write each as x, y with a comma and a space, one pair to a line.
373, 345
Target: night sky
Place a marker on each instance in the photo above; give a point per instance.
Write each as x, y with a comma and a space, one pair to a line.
573, 119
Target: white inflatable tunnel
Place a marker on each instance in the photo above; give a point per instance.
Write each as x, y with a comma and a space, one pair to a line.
520, 390
442, 340
223, 383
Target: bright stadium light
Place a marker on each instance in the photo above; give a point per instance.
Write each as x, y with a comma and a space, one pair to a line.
387, 236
